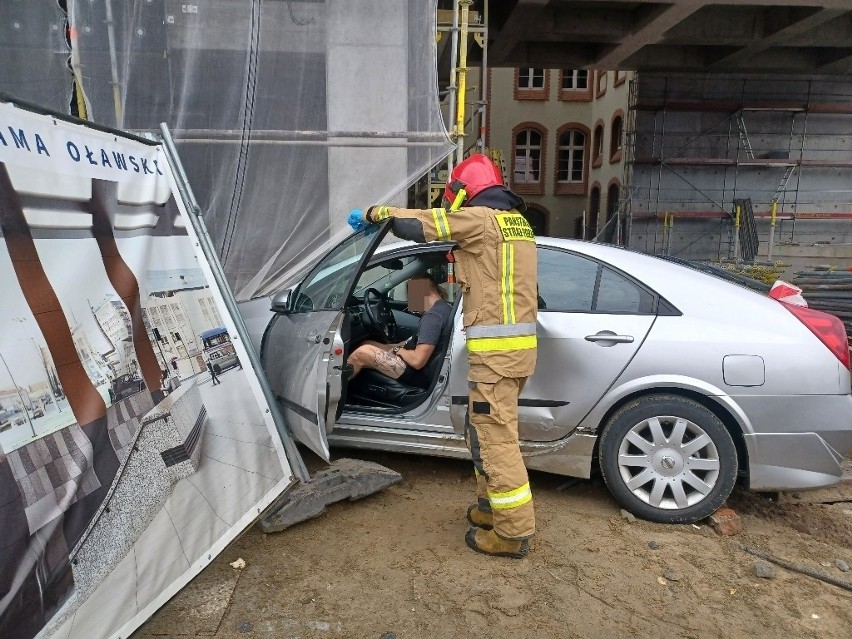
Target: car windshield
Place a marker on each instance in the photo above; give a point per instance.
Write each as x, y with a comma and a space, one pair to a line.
388, 275
325, 286
379, 278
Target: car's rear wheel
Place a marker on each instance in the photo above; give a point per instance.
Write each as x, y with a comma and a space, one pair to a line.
668, 459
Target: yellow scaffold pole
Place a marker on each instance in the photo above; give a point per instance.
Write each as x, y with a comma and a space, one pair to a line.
772, 222
462, 79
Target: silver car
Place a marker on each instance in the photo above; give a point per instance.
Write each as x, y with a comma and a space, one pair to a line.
677, 384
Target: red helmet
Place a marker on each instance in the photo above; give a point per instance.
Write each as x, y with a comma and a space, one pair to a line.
474, 175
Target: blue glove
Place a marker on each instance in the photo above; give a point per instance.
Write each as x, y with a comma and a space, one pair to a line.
357, 221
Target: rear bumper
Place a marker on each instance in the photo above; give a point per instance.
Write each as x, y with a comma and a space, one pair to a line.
813, 456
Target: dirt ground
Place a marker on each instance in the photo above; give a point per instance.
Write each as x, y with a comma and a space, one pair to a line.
395, 566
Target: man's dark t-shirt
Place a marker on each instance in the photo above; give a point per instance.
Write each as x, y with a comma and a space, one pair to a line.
434, 328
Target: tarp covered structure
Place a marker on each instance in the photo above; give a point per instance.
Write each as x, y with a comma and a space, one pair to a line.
121, 472
286, 113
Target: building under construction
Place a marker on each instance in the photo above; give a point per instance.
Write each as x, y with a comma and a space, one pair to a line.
738, 139
746, 167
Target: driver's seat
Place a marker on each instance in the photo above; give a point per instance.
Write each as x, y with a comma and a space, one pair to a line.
372, 388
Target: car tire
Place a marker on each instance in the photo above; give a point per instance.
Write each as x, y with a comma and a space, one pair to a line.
668, 459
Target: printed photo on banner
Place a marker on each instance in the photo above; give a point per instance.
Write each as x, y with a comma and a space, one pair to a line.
123, 471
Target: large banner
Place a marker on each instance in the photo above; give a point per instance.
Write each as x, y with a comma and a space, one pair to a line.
135, 442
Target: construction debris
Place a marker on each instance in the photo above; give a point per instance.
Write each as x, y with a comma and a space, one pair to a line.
765, 273
725, 522
350, 479
804, 570
829, 291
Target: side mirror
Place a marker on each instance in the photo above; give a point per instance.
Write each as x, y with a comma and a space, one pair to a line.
281, 301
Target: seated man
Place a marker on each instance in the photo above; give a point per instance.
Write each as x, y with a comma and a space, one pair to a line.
405, 361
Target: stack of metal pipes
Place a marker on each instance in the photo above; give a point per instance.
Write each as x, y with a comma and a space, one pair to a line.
829, 291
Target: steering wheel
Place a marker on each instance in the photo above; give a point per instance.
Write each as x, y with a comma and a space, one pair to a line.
378, 316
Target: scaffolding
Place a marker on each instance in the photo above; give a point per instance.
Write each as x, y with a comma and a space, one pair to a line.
622, 218
698, 147
466, 29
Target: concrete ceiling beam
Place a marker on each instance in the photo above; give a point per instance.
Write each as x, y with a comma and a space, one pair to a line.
652, 31
552, 55
840, 64
786, 35
774, 60
525, 16
708, 35
828, 4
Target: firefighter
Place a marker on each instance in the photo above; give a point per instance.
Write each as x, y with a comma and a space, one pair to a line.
495, 262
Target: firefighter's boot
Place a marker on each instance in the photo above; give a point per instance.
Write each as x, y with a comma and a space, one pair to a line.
480, 517
488, 542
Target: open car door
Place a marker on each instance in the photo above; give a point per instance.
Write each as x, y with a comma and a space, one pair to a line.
304, 345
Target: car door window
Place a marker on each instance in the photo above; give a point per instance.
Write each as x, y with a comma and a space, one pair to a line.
568, 282
617, 294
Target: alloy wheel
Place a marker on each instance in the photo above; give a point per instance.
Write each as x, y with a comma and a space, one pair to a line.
668, 462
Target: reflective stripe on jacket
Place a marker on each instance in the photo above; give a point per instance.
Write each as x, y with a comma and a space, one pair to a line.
497, 271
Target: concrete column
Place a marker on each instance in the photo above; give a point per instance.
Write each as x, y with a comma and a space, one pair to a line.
367, 90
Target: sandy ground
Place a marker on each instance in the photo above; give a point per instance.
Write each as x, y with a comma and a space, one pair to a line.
394, 565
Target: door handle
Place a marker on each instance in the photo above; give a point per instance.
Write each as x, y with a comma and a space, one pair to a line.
609, 336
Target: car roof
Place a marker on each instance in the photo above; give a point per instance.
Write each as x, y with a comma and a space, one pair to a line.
686, 285
607, 252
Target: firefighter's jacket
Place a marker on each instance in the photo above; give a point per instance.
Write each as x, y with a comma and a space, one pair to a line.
496, 268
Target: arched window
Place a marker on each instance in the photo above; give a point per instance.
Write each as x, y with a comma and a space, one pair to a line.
612, 200
571, 173
572, 148
594, 212
527, 160
602, 79
537, 217
598, 145
616, 141
610, 228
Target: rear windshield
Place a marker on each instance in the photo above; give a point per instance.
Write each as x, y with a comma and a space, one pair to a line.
721, 273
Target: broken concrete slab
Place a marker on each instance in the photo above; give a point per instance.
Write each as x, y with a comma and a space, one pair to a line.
350, 479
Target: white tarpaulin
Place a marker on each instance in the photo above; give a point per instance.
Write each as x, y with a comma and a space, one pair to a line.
286, 114
123, 470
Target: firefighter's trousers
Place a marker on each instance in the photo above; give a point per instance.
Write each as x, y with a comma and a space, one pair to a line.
491, 433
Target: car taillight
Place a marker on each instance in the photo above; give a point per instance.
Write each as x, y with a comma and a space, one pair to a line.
828, 328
